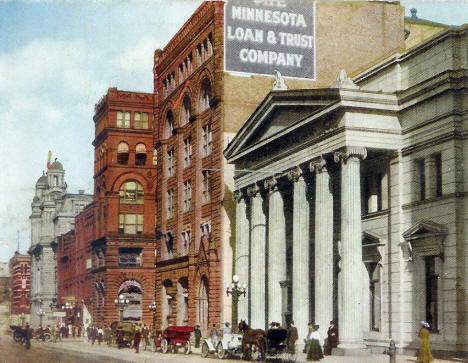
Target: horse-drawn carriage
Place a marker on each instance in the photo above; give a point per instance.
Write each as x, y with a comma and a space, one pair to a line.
230, 345
260, 345
174, 337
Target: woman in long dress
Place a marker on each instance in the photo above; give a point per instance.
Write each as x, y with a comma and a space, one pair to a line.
315, 341
425, 354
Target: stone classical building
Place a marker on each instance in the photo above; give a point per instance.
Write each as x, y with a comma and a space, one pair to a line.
198, 108
358, 191
20, 271
53, 214
5, 293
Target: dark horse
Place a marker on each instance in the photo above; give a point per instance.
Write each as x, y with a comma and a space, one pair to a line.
252, 337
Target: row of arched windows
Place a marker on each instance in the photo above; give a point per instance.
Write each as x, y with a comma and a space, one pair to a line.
123, 153
185, 112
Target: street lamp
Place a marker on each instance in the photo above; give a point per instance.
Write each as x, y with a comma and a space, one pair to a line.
152, 307
41, 313
236, 289
121, 302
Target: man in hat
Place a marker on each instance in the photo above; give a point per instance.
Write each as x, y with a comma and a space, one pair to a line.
28, 336
291, 338
332, 338
198, 336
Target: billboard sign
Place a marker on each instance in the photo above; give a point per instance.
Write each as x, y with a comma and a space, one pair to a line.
262, 36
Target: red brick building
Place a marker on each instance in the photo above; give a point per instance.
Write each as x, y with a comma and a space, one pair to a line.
20, 271
124, 210
74, 278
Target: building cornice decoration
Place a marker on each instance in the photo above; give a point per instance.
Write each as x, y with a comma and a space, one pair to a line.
271, 184
239, 195
343, 81
318, 165
294, 174
349, 152
252, 190
278, 83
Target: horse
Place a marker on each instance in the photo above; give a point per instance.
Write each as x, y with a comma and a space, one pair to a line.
252, 337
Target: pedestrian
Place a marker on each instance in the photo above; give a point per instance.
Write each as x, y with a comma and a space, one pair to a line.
27, 336
214, 335
425, 354
145, 333
227, 329
120, 340
291, 338
100, 334
136, 340
198, 336
58, 335
88, 332
314, 351
93, 334
332, 338
63, 330
80, 329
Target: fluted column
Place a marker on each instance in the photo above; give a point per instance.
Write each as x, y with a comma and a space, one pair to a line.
257, 264
301, 251
242, 252
350, 311
323, 245
276, 249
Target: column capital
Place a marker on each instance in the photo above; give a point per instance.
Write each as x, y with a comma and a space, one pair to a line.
252, 190
271, 184
294, 174
318, 165
239, 195
343, 155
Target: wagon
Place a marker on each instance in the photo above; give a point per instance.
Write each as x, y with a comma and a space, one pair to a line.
126, 329
174, 337
277, 345
230, 345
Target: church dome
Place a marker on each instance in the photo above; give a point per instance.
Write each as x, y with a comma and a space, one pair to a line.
42, 180
56, 165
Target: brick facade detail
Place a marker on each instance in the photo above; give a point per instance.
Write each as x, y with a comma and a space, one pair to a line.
20, 271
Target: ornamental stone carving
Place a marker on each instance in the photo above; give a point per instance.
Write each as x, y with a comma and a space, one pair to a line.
349, 152
271, 184
294, 174
318, 165
239, 195
252, 190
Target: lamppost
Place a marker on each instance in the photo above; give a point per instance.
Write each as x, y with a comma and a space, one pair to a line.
41, 313
68, 307
121, 302
236, 289
152, 307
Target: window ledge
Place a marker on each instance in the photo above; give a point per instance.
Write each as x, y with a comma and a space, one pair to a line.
375, 214
434, 199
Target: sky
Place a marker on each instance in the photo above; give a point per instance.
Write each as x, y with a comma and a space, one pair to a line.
58, 58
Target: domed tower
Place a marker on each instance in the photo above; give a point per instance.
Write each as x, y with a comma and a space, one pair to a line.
55, 176
41, 186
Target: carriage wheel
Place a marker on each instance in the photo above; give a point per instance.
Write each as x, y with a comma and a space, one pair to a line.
205, 350
164, 346
220, 350
46, 337
187, 348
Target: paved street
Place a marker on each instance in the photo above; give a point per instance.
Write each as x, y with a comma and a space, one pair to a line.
72, 351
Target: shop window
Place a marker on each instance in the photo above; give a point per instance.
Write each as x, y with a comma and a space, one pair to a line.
140, 154
122, 153
131, 193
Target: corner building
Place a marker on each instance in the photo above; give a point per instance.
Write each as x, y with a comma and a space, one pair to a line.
20, 272
361, 197
198, 108
123, 243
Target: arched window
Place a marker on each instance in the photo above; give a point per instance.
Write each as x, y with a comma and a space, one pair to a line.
131, 192
140, 154
202, 308
169, 124
205, 95
185, 111
122, 153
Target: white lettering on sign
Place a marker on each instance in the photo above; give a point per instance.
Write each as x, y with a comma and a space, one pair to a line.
245, 35
266, 16
270, 57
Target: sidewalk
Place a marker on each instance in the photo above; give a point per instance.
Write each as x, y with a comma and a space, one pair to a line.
129, 355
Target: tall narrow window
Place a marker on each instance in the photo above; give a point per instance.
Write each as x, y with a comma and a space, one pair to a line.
374, 292
432, 292
205, 95
207, 140
187, 152
420, 178
169, 244
140, 154
169, 124
170, 162
123, 119
206, 187
184, 248
438, 173
187, 195
122, 153
131, 193
170, 203
185, 111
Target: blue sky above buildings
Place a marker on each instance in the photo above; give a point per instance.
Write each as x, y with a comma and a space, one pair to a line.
57, 60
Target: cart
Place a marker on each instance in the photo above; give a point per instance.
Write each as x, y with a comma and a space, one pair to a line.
230, 345
277, 346
174, 337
